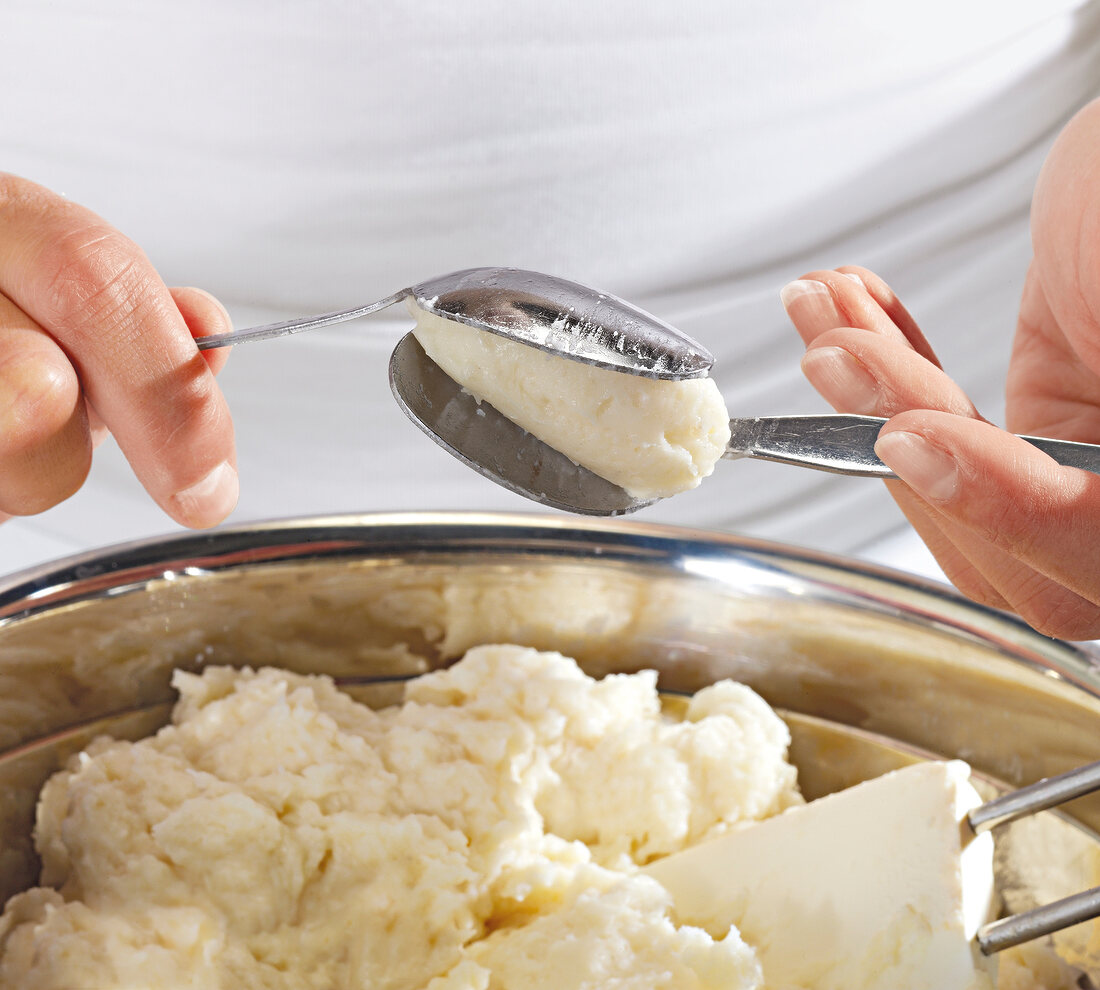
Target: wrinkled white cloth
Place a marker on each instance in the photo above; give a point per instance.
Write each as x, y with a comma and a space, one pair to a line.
692, 157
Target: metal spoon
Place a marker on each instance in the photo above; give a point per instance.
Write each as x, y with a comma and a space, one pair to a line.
550, 313
494, 446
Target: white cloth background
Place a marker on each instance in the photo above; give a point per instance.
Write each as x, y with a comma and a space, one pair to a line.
692, 157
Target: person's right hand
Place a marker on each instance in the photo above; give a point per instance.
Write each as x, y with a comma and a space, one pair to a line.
92, 341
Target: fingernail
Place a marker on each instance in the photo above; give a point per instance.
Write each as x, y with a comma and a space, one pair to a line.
842, 380
811, 302
209, 501
855, 278
929, 470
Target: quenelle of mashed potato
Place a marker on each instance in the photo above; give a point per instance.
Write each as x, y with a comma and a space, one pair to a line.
652, 438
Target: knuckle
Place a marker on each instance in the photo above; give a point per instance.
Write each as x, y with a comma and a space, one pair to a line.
44, 450
973, 584
30, 501
40, 395
95, 279
1049, 607
87, 279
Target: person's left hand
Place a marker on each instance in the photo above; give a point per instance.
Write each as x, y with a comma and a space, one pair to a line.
1010, 527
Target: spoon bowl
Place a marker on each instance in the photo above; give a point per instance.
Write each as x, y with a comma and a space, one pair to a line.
492, 444
565, 319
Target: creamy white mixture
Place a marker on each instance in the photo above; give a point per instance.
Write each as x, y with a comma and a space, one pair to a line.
486, 834
652, 438
280, 835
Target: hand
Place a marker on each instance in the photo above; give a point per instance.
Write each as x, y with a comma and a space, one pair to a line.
92, 342
1010, 527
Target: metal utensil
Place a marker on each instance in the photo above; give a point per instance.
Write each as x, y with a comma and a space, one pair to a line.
552, 314
1049, 918
844, 444
494, 446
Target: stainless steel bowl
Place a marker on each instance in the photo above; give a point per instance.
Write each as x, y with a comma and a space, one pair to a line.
869, 666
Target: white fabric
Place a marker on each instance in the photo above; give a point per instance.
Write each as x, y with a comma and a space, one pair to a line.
692, 157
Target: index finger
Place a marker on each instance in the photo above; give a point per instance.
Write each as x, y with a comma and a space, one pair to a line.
101, 299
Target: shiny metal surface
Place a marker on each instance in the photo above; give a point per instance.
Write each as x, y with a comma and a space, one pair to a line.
550, 313
566, 319
871, 669
717, 598
269, 331
493, 445
839, 444
1068, 911
505, 453
1047, 793
1019, 928
844, 444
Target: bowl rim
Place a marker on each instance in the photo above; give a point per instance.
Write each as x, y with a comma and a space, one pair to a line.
787, 569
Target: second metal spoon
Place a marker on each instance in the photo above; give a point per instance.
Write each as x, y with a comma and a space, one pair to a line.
505, 453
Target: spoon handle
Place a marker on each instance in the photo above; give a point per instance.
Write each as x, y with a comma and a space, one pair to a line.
846, 444
269, 330
1047, 793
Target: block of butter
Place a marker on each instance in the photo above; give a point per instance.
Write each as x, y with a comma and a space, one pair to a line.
878, 887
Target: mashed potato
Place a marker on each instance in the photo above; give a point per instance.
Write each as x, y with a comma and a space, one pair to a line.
280, 835
484, 835
652, 438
